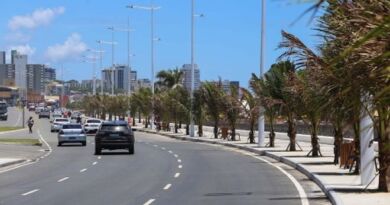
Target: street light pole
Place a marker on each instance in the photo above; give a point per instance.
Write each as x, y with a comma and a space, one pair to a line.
112, 59
262, 49
192, 126
151, 8
101, 65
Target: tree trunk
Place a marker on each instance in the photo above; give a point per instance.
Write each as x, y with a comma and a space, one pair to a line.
314, 140
233, 133
133, 119
356, 129
252, 131
180, 124
216, 129
187, 129
110, 116
384, 152
146, 122
139, 117
291, 132
200, 129
272, 133
338, 139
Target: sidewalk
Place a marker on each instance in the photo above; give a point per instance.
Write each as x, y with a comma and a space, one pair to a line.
339, 185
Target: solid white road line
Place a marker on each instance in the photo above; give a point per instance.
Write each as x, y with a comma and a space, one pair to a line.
180, 166
177, 175
167, 186
83, 170
150, 201
176, 155
30, 192
179, 160
94, 163
63, 179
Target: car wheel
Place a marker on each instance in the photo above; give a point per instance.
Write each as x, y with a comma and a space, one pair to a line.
84, 144
59, 144
98, 150
131, 149
51, 130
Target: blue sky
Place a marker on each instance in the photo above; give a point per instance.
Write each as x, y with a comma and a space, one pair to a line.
57, 32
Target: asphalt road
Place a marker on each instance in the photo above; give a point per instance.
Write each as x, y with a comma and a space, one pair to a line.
162, 171
14, 118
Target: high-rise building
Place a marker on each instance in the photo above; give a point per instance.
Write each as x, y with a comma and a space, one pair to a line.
88, 84
7, 74
20, 62
133, 80
122, 78
142, 83
187, 76
38, 75
2, 57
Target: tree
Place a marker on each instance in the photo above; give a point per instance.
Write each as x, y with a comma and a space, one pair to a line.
213, 97
250, 105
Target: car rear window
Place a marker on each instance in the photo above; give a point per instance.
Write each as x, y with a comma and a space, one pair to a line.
93, 121
71, 127
119, 128
61, 120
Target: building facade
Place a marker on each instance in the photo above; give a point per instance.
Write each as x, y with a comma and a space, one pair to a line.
187, 76
122, 78
7, 74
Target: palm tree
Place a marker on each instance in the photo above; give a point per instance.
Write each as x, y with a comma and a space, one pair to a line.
250, 105
199, 111
231, 108
213, 97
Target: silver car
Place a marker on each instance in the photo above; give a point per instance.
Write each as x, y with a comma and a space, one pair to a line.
92, 125
72, 133
58, 123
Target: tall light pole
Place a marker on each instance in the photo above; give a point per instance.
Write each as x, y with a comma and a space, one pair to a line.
101, 65
150, 8
127, 30
112, 59
262, 49
92, 60
193, 15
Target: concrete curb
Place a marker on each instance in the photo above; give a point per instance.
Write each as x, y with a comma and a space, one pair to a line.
330, 193
13, 163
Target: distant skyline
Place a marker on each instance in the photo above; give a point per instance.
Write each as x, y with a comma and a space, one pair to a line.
227, 41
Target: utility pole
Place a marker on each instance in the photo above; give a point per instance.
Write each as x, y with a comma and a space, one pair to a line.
262, 49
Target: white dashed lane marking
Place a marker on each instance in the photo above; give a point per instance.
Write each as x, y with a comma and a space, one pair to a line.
94, 163
30, 192
179, 160
63, 179
170, 151
167, 186
176, 155
177, 175
150, 201
180, 166
99, 157
83, 170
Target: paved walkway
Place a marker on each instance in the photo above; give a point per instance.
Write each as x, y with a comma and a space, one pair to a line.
340, 186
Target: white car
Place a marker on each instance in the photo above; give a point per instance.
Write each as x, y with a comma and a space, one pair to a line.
72, 133
92, 125
58, 123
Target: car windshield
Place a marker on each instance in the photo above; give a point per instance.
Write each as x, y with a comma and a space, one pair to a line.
71, 127
3, 105
119, 128
93, 121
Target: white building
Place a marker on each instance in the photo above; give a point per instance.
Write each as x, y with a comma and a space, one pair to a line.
187, 76
20, 62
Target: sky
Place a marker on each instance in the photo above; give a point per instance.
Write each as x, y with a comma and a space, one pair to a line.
227, 38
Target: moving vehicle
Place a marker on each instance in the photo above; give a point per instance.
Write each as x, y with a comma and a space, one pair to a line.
45, 113
92, 125
3, 110
58, 123
38, 109
114, 135
72, 133
56, 115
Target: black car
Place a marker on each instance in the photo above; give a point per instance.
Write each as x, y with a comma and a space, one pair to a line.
114, 135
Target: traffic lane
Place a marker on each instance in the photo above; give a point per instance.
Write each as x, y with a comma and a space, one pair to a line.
61, 161
115, 179
14, 118
214, 175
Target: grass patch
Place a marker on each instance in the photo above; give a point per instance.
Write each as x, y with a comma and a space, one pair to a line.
35, 142
4, 129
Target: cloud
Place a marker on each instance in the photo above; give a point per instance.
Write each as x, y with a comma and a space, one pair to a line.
39, 17
17, 37
73, 47
23, 49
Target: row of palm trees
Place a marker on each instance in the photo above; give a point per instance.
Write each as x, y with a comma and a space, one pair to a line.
346, 78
